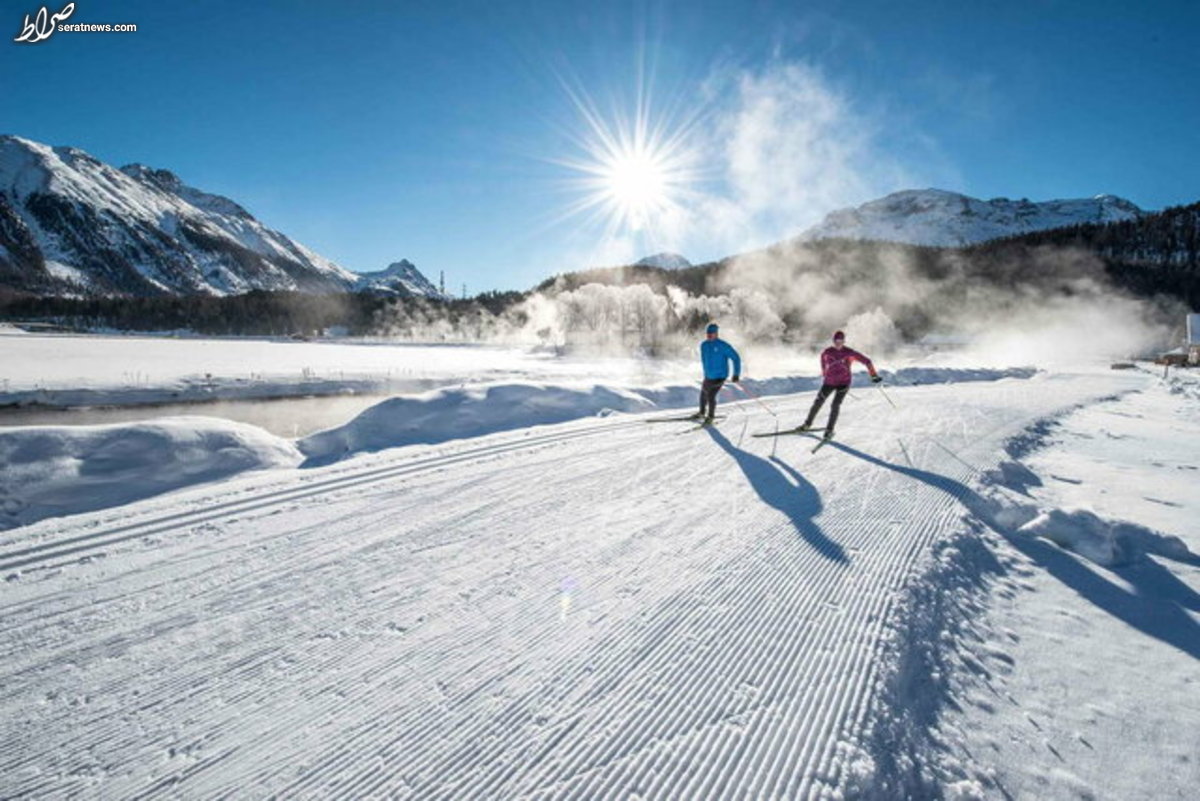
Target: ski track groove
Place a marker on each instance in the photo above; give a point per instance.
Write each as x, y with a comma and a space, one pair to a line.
518, 712
737, 671
415, 768
878, 614
654, 669
685, 702
42, 552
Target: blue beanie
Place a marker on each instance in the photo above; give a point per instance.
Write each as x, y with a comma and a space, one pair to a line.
712, 328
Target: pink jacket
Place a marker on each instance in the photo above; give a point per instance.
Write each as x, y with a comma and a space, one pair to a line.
835, 365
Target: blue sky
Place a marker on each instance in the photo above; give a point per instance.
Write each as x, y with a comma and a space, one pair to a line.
438, 131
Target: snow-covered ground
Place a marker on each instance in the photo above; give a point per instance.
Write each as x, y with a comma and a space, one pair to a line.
55, 470
69, 370
602, 608
1082, 680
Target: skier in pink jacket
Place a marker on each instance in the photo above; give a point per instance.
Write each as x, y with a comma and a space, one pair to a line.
835, 368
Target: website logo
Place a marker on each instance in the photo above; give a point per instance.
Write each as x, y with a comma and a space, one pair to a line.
43, 25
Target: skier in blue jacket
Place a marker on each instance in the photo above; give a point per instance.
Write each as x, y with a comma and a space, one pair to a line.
715, 355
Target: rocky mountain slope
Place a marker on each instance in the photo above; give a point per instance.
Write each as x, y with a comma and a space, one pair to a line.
73, 225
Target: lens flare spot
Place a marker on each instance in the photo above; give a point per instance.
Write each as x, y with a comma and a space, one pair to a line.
566, 592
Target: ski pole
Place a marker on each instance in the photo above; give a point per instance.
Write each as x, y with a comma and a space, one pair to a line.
955, 456
885, 395
755, 397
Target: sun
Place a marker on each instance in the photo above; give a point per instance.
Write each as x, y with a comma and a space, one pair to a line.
638, 186
634, 172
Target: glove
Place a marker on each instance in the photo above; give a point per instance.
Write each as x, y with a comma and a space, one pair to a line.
736, 379
875, 379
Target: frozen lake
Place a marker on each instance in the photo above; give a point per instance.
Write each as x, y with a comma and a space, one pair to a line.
286, 387
63, 362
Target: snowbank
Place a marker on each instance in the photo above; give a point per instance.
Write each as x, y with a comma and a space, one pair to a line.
1008, 507
1066, 652
461, 412
465, 412
1185, 382
60, 470
1105, 542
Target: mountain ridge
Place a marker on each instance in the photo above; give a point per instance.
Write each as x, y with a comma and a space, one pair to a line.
668, 260
71, 224
398, 278
941, 218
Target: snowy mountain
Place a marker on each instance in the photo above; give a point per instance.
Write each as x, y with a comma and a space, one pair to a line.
665, 260
71, 224
948, 219
400, 278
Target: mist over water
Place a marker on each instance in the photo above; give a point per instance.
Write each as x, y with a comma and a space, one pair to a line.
1051, 308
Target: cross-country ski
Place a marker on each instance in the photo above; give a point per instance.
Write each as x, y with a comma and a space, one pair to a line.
703, 424
787, 431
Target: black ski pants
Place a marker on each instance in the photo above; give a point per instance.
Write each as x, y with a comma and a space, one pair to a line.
839, 394
708, 396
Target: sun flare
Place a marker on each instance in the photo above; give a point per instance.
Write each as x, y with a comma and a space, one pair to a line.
635, 171
637, 186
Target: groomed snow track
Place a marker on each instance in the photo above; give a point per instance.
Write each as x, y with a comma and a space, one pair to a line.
600, 609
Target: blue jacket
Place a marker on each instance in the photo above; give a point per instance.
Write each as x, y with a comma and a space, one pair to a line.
715, 355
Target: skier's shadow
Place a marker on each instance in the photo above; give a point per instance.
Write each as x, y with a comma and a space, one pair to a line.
1156, 606
798, 499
